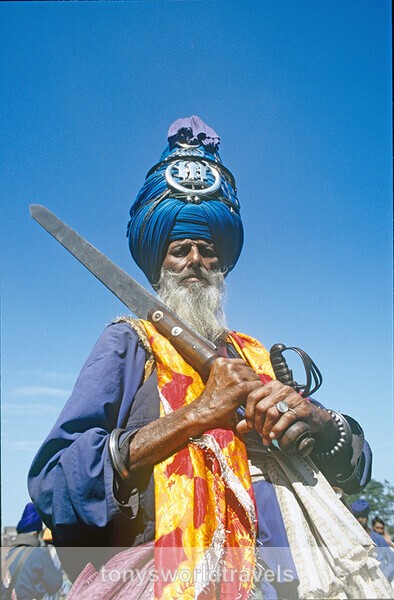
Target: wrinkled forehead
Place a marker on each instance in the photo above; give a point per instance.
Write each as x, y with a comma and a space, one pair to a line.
191, 241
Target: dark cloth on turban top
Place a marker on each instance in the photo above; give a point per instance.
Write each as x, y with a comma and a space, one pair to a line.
360, 508
188, 194
30, 521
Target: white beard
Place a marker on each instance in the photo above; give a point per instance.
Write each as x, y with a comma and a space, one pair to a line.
198, 303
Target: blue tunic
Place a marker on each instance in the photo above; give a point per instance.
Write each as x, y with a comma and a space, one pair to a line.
71, 480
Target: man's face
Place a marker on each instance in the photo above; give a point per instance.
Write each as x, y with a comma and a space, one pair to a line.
192, 285
363, 522
379, 528
190, 257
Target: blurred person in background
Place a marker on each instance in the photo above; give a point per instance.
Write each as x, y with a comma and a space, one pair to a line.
360, 509
28, 567
378, 526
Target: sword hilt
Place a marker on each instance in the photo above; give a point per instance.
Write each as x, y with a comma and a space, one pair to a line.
297, 437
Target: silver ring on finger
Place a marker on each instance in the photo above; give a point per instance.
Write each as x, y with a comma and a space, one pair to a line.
293, 411
282, 407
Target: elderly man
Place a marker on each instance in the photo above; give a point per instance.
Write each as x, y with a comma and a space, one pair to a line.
144, 450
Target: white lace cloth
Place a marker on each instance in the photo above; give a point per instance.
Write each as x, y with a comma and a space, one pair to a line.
334, 556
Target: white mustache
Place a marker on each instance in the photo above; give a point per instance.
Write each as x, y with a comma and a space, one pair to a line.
200, 303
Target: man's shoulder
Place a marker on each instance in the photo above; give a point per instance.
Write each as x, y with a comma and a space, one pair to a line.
378, 539
133, 327
118, 341
121, 330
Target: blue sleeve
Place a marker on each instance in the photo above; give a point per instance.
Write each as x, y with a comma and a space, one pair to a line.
71, 480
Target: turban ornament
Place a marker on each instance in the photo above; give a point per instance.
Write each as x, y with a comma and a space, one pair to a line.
189, 193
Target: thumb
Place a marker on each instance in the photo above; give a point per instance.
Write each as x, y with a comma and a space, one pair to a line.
243, 427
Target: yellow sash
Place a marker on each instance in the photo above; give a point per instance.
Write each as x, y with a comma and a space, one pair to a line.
205, 512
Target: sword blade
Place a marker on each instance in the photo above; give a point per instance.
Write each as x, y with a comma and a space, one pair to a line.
129, 291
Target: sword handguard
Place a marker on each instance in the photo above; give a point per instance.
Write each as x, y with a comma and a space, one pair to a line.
297, 438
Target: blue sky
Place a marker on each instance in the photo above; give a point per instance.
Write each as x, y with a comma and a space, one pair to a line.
300, 93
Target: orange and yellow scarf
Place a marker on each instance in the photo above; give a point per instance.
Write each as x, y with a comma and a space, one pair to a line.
205, 512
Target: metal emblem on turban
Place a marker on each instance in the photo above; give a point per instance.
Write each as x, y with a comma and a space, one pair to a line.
186, 176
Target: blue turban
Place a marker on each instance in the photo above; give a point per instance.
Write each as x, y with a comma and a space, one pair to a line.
188, 194
360, 508
30, 521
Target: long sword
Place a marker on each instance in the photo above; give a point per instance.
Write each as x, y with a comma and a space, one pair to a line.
194, 348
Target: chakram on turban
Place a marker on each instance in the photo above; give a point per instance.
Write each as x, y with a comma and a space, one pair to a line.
188, 194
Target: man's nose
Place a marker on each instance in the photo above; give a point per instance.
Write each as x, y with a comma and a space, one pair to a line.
194, 257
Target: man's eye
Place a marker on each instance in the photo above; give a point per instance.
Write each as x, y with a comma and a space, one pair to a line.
207, 252
178, 252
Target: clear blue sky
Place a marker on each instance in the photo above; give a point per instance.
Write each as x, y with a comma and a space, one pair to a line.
300, 93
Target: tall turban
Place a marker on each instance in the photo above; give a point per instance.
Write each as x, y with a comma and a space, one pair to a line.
189, 193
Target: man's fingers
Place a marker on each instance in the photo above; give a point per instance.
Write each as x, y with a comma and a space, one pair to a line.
254, 398
285, 421
244, 388
235, 361
274, 419
242, 427
234, 367
262, 414
295, 413
272, 415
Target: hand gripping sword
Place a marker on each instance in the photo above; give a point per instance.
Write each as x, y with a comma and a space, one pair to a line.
199, 352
